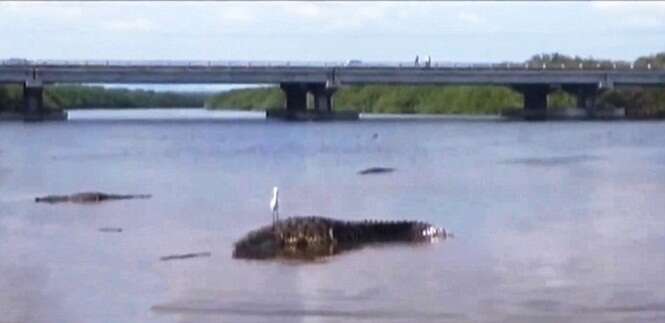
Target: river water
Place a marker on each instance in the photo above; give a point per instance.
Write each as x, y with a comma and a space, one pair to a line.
553, 222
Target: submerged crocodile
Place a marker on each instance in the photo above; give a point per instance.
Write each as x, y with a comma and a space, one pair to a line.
376, 170
89, 197
313, 237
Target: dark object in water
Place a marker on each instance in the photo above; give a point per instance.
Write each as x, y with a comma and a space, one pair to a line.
553, 161
89, 197
376, 170
109, 229
186, 256
313, 237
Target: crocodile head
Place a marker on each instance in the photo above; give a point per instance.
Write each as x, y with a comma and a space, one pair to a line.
433, 233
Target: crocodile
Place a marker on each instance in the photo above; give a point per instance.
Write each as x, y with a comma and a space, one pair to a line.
376, 170
312, 237
88, 197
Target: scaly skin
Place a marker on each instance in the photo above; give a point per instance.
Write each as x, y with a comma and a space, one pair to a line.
313, 237
88, 197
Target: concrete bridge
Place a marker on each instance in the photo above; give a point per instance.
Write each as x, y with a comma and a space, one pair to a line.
321, 80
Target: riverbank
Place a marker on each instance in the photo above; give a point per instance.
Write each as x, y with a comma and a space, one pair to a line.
450, 100
187, 115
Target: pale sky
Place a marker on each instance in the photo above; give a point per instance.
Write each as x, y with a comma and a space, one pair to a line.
330, 31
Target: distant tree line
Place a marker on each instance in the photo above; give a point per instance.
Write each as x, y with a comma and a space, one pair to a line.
10, 98
84, 97
393, 99
556, 59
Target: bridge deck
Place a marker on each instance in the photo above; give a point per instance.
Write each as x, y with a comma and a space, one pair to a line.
337, 73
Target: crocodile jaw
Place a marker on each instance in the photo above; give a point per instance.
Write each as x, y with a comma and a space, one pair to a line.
434, 233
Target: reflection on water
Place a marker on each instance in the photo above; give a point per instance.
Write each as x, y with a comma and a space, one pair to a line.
552, 161
179, 115
266, 310
24, 296
553, 221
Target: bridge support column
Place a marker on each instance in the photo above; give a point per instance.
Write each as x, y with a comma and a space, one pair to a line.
535, 100
296, 96
323, 101
33, 102
535, 97
296, 103
586, 95
33, 105
586, 100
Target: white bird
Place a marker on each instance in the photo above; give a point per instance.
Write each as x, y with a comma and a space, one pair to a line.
274, 204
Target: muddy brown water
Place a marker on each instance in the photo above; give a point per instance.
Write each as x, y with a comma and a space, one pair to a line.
556, 221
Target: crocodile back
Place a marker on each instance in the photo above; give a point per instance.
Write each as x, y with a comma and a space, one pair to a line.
312, 237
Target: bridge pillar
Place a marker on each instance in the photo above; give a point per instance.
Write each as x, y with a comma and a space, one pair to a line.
296, 103
33, 105
535, 97
535, 100
323, 101
33, 102
296, 96
585, 94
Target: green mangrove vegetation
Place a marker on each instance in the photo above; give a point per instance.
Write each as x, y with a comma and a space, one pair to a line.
261, 98
10, 98
429, 99
77, 97
461, 99
98, 97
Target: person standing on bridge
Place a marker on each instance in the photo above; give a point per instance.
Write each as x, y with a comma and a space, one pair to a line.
416, 63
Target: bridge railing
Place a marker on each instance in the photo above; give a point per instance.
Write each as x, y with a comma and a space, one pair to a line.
349, 64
